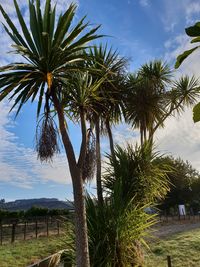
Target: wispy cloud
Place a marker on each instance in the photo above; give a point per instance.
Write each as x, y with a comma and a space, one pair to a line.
176, 46
144, 3
180, 138
192, 9
173, 12
19, 165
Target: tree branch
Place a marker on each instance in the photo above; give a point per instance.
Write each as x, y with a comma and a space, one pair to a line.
164, 118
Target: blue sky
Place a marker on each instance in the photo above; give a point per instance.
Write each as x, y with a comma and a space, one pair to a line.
141, 30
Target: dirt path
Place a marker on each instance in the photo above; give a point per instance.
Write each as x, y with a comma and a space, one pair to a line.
165, 230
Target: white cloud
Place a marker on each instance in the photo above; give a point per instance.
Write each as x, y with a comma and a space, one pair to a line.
192, 9
175, 47
169, 14
173, 12
144, 3
181, 138
19, 165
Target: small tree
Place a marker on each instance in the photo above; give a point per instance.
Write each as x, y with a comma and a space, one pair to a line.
184, 184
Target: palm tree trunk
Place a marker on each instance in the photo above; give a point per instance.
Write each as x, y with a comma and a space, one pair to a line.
82, 251
110, 136
145, 135
151, 136
98, 163
141, 136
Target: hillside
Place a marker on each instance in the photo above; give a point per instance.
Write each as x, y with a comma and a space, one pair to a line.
25, 204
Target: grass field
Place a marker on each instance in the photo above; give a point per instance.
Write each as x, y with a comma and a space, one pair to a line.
21, 254
184, 249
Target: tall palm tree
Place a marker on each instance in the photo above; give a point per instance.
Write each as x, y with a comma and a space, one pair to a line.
51, 50
144, 105
152, 97
107, 110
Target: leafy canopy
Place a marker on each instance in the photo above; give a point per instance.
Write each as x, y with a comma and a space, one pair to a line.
184, 183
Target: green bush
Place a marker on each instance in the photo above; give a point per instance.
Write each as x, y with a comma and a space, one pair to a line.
133, 181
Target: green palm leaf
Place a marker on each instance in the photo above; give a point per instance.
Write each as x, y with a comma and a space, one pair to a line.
53, 50
193, 31
183, 56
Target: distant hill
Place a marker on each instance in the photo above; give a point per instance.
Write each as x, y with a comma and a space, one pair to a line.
25, 204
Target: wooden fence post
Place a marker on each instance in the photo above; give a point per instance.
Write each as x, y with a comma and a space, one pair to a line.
1, 234
25, 230
13, 233
47, 222
36, 228
58, 227
169, 263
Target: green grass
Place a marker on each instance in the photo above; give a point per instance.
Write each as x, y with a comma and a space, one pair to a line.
184, 249
21, 254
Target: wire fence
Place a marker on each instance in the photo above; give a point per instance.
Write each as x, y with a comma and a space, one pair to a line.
178, 218
13, 229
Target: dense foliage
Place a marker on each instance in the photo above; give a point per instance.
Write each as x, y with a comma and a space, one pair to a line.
184, 186
132, 182
32, 212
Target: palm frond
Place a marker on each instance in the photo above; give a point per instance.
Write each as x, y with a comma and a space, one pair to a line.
51, 49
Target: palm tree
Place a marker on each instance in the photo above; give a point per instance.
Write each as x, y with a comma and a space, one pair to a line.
81, 95
114, 115
144, 105
107, 110
184, 93
152, 97
51, 50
